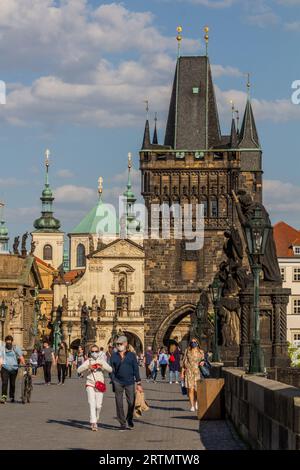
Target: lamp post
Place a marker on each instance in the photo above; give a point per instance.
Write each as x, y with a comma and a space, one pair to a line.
3, 310
257, 231
216, 292
36, 316
69, 327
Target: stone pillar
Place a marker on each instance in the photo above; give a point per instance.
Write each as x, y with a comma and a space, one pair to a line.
280, 347
246, 301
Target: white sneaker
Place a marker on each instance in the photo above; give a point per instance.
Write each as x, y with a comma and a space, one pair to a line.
177, 382
196, 405
171, 382
193, 408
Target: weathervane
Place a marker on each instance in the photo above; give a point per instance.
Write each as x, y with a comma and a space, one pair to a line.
248, 84
147, 107
206, 38
179, 39
232, 108
237, 119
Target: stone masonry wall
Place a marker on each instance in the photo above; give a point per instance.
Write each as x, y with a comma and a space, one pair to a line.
266, 413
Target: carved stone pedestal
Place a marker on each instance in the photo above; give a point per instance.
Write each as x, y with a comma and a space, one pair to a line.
273, 305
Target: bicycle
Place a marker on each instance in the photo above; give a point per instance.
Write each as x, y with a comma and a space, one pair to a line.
26, 385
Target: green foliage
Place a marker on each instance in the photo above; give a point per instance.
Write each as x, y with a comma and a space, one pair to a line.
294, 353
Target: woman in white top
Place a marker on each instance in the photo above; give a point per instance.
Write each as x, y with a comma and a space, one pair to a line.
95, 366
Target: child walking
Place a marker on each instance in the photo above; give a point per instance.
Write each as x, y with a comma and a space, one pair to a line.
154, 367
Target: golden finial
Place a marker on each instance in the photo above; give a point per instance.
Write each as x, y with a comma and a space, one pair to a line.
179, 39
129, 160
100, 185
206, 37
47, 156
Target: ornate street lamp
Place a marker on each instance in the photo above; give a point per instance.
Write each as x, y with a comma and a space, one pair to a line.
216, 293
3, 311
69, 327
257, 231
36, 317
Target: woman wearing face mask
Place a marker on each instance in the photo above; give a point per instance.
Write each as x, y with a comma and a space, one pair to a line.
193, 358
95, 365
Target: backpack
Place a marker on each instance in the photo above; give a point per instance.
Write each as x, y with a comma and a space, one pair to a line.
172, 358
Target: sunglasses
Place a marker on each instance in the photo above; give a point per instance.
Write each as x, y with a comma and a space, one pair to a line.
119, 344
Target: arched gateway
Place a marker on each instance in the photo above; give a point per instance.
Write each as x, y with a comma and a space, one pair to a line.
176, 323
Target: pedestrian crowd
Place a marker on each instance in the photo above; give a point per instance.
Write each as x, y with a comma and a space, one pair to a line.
122, 365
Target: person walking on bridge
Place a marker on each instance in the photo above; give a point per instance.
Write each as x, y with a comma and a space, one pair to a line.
126, 378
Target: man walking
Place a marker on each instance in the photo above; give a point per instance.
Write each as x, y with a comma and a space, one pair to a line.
125, 377
10, 358
48, 360
148, 359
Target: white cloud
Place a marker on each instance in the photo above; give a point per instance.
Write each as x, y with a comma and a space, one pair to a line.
65, 173
292, 26
10, 182
221, 71
75, 194
214, 3
282, 196
280, 110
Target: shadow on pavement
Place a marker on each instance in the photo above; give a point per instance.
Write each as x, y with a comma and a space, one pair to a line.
163, 426
72, 423
166, 408
218, 438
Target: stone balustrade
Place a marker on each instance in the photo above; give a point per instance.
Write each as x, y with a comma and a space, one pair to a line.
266, 413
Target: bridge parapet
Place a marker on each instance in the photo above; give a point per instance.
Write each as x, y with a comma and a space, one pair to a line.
266, 413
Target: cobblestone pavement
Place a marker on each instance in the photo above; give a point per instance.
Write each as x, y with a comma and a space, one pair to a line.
58, 416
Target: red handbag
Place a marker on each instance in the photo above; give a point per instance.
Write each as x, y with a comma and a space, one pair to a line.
172, 358
100, 386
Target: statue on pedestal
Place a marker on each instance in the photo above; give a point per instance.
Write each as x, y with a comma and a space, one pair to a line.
16, 245
103, 303
246, 207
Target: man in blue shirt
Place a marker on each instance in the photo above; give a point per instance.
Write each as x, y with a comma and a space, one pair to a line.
10, 357
125, 377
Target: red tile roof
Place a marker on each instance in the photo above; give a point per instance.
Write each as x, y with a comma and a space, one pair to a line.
40, 261
70, 276
285, 238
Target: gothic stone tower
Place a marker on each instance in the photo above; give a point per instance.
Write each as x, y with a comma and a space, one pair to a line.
196, 164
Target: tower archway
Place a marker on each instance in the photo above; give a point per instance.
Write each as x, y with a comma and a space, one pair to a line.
175, 327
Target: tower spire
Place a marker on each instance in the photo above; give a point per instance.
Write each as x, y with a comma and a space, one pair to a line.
248, 135
4, 238
155, 139
131, 223
146, 140
47, 223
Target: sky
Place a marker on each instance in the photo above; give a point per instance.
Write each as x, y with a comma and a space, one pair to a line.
78, 72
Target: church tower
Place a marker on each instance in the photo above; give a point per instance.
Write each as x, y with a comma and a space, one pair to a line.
47, 236
4, 238
196, 164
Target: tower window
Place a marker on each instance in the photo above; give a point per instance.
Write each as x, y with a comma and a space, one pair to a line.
81, 260
47, 253
214, 207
